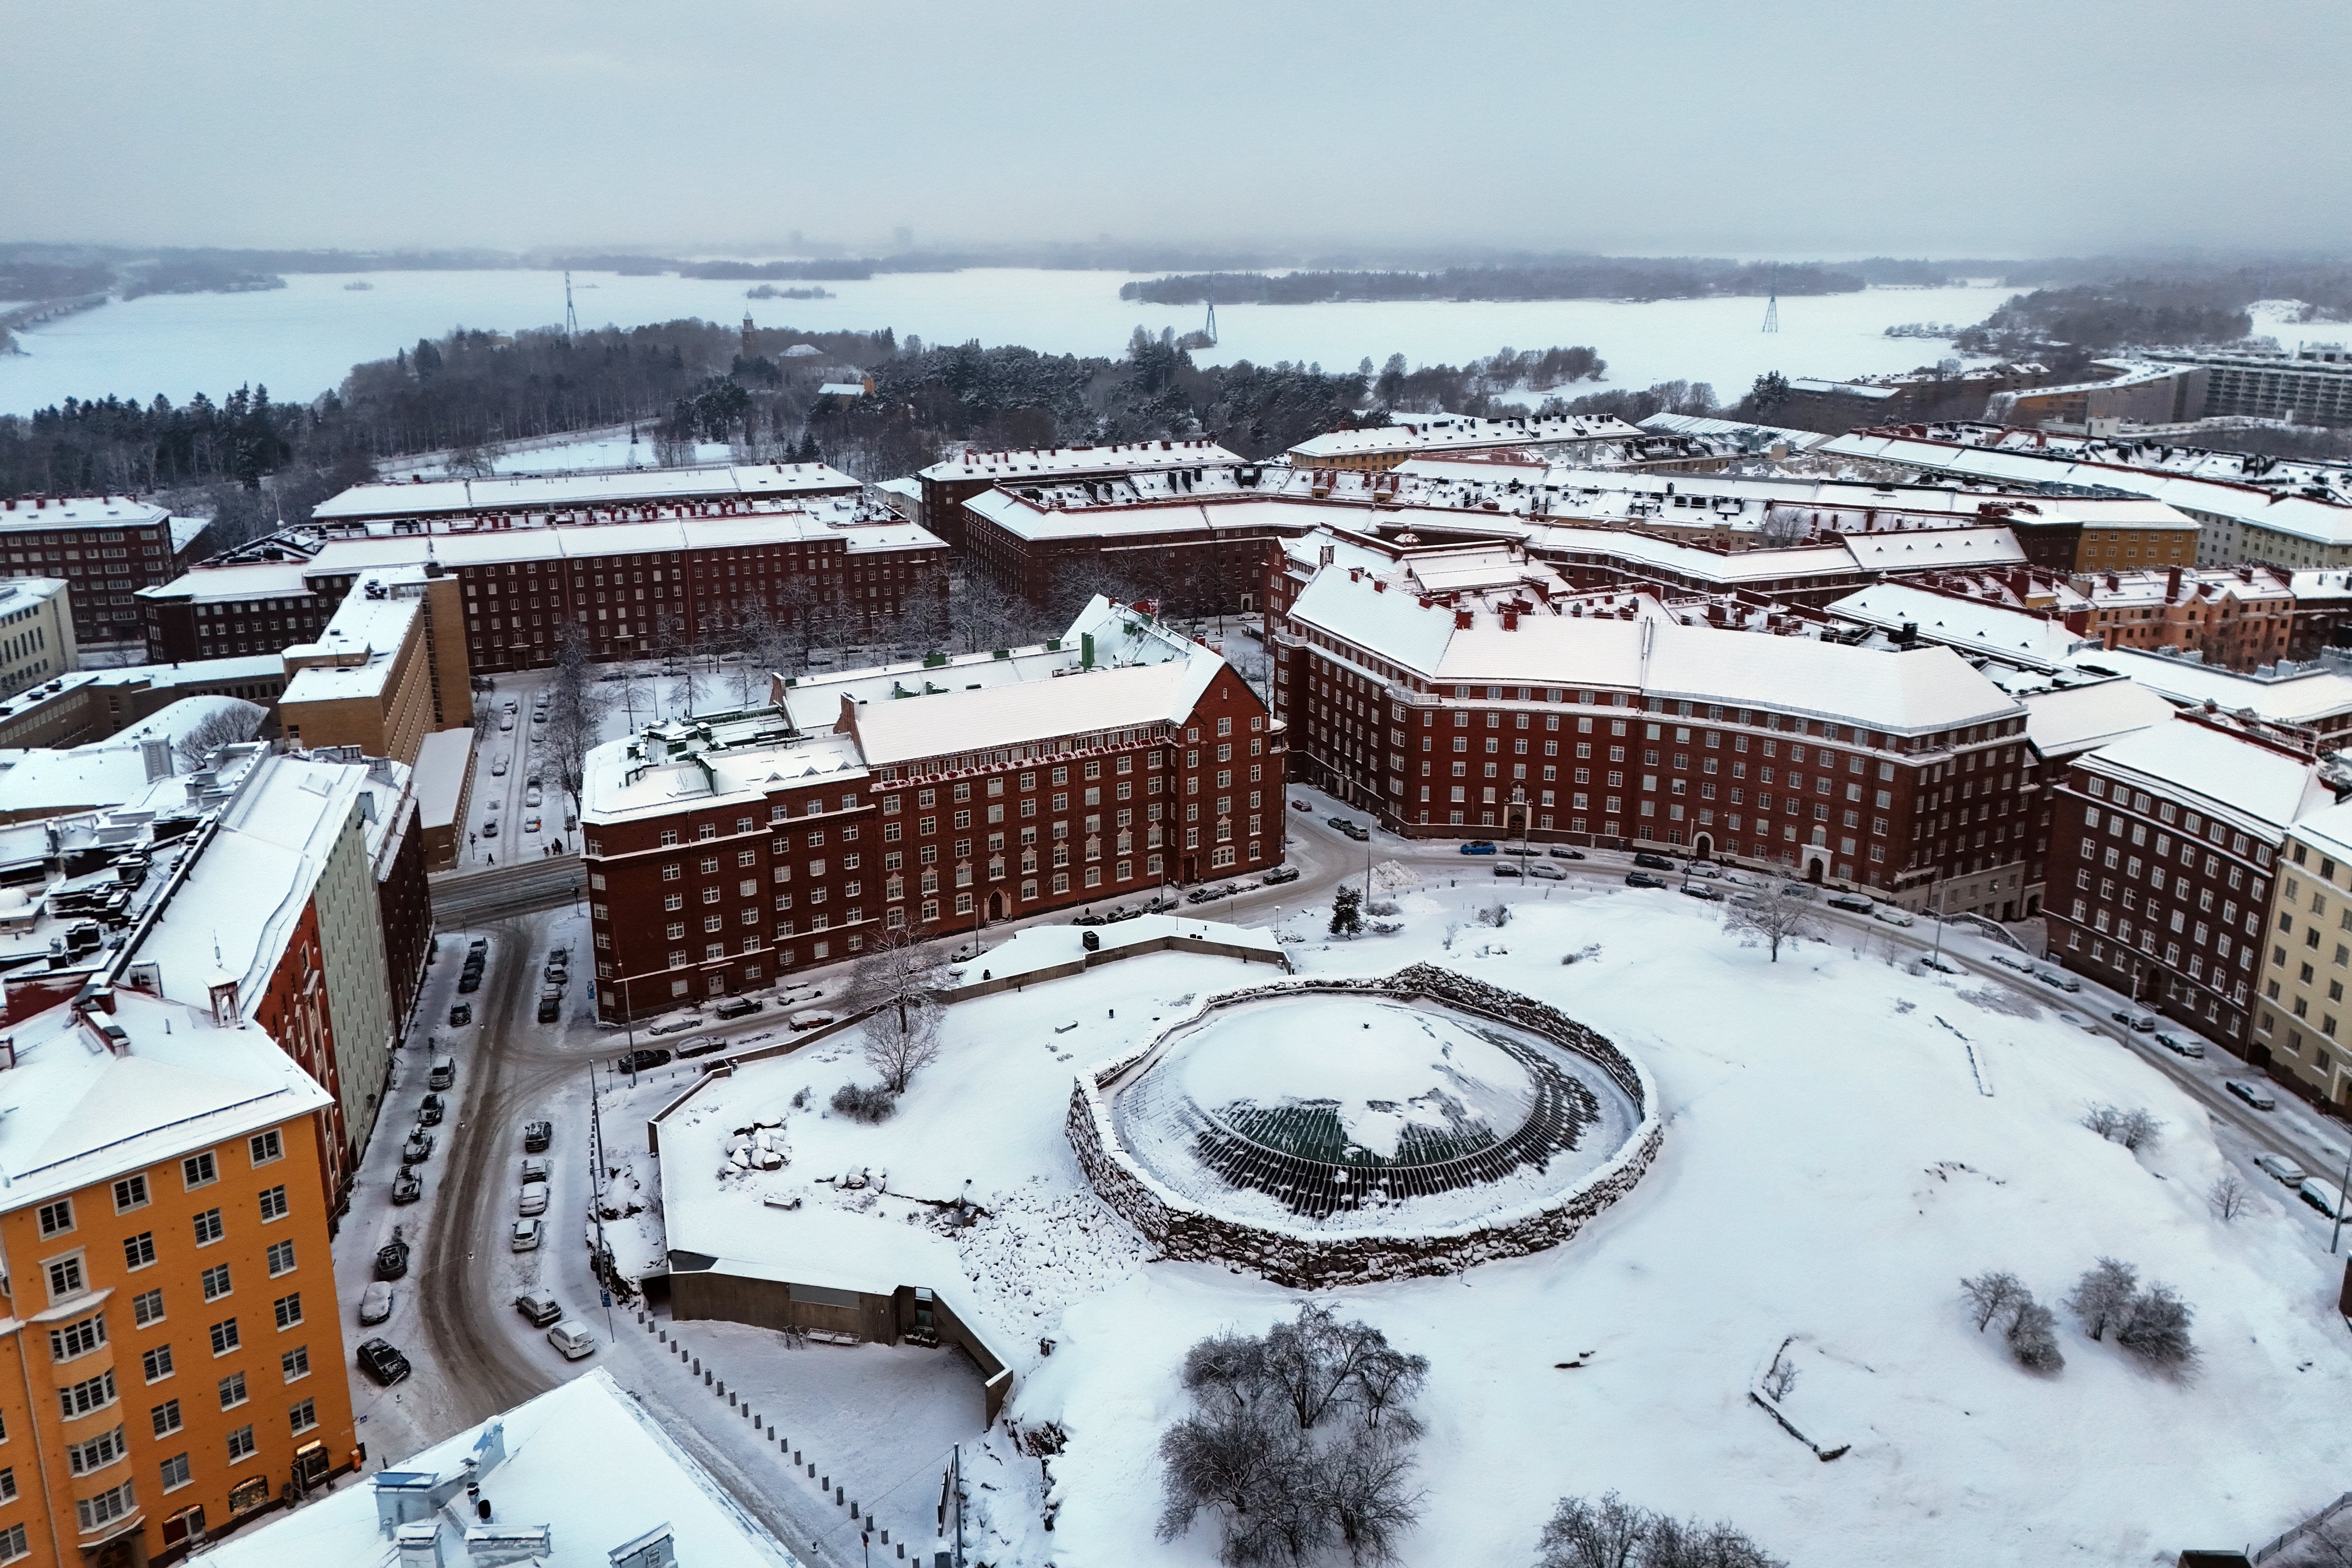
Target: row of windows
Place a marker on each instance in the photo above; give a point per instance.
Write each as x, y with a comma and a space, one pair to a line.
195, 1171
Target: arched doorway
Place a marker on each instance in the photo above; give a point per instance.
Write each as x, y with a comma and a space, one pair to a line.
996, 906
1815, 866
1703, 846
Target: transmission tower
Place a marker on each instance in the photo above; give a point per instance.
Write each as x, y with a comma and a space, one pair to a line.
1211, 328
570, 316
1772, 313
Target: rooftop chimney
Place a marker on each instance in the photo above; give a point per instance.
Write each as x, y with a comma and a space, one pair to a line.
419, 1544
1463, 620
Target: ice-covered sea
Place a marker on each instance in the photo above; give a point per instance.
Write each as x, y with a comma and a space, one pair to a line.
302, 340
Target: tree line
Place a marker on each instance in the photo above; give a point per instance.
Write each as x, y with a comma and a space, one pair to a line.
1595, 278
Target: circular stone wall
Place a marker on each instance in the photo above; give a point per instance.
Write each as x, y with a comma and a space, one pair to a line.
1323, 1132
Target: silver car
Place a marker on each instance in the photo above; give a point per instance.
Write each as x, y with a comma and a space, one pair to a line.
527, 1233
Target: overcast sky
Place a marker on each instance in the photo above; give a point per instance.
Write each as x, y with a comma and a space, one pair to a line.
1748, 129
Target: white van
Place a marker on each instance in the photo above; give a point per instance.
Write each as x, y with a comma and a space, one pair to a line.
534, 1198
572, 1338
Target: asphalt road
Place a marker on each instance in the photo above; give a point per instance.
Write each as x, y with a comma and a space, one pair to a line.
478, 895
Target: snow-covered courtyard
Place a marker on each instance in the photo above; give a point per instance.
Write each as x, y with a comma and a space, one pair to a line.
1845, 1140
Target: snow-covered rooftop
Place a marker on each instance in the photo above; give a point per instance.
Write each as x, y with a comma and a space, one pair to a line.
361, 643
533, 493
75, 1109
2254, 785
1915, 691
1982, 626
32, 514
1119, 457
584, 1459
1459, 431
2305, 697
112, 771
2062, 721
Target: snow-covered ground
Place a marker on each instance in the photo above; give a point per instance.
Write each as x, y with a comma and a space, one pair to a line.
1846, 1139
303, 339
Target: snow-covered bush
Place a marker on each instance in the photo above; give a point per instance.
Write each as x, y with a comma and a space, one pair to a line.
2033, 1338
864, 1101
2135, 1129
2102, 1295
1614, 1533
2152, 1322
1301, 1439
1496, 915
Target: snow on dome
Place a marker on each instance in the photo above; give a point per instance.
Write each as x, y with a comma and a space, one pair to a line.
1364, 1113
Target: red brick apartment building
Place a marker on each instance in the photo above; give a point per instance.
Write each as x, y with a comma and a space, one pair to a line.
936, 798
106, 548
947, 484
1450, 692
2163, 847
647, 574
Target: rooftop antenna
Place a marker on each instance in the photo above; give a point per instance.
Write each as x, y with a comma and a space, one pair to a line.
570, 316
1772, 303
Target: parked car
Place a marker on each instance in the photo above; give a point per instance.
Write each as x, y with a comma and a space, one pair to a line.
808, 1018
1280, 875
1642, 880
534, 1170
738, 1007
407, 1187
2058, 977
444, 1071
1522, 851
1478, 846
1302, 806
418, 1149
537, 1135
1702, 891
2180, 1046
1563, 852
1891, 915
375, 1303
471, 981
641, 1059
527, 1233
429, 1113
537, 1308
2143, 1025
1853, 903
1654, 862
2253, 1094
2325, 1197
391, 1258
550, 1009
1340, 823
533, 1199
699, 1045
532, 796
530, 824
1548, 873
1359, 832
498, 769
2280, 1169
1940, 965
1798, 891
506, 722
490, 829
1701, 868
1508, 868
382, 1362
460, 1013
572, 1338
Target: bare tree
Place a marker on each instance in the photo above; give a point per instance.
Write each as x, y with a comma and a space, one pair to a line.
233, 722
473, 459
1991, 1294
1773, 917
2135, 1129
1619, 1534
2156, 1328
896, 976
1782, 526
2228, 1197
575, 711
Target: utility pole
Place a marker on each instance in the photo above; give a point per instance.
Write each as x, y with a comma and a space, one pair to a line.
2337, 1235
1937, 892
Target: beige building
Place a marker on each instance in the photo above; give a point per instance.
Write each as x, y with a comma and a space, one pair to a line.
378, 677
2305, 1021
37, 632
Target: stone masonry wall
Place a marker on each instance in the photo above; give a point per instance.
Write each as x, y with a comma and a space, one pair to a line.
1306, 1261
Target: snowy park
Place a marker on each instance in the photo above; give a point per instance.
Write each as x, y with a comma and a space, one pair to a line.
1770, 1328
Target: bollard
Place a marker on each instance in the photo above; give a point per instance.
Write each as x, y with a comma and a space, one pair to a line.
852, 1508
698, 1364
705, 1380
886, 1538
836, 1496
722, 1388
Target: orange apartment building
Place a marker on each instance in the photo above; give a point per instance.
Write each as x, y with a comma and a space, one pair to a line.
2238, 618
172, 1360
